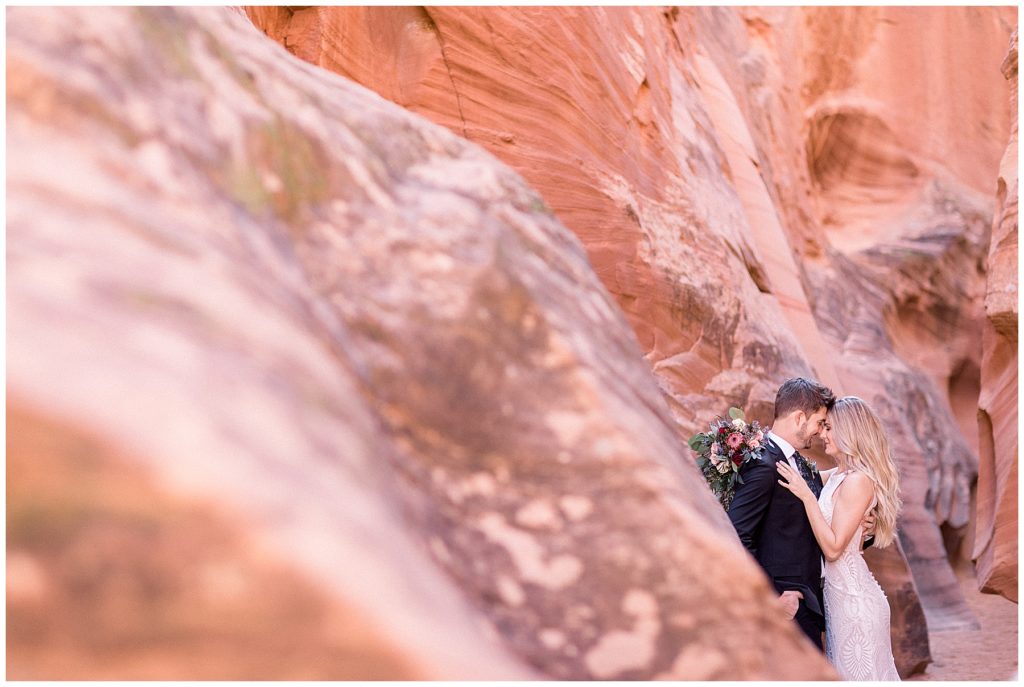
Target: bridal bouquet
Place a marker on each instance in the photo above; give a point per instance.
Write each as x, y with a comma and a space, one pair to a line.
724, 448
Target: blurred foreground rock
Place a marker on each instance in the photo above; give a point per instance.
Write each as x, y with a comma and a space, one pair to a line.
301, 386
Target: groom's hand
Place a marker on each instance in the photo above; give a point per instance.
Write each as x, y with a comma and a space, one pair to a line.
791, 602
868, 523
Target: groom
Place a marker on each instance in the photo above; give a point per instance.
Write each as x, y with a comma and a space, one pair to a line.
771, 521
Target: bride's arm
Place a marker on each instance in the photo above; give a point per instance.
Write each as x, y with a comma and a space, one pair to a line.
851, 500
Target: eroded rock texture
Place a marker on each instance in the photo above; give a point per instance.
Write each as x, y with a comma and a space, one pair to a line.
301, 385
765, 192
995, 546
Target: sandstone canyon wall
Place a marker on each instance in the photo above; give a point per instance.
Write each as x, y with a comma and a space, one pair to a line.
995, 546
765, 192
301, 385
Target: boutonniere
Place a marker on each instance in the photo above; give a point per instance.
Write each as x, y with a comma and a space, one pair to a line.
813, 467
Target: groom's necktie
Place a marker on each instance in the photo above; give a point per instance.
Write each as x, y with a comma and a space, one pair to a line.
805, 472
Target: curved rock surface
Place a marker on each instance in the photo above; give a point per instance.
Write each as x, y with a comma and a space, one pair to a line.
296, 376
912, 225
764, 191
995, 546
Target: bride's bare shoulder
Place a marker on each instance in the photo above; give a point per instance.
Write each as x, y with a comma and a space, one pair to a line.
857, 484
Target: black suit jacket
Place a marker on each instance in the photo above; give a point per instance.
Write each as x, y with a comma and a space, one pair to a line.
772, 523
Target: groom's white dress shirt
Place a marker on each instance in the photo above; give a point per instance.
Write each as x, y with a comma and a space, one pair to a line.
787, 450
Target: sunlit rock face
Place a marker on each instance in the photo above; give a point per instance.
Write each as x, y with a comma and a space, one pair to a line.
303, 386
765, 192
995, 546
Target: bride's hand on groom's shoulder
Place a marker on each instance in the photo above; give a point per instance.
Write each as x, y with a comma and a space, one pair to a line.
793, 481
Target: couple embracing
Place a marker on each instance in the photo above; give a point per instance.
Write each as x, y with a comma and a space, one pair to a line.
806, 528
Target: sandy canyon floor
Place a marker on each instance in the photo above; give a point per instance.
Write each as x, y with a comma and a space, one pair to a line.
988, 653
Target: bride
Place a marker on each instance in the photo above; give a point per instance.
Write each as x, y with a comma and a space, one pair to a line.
857, 640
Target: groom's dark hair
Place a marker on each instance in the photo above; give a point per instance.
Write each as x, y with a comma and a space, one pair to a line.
802, 394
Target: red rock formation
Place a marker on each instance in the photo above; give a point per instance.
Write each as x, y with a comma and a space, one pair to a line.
350, 374
899, 289
606, 172
765, 192
995, 545
867, 287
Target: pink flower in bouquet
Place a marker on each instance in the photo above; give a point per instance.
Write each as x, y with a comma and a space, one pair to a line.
715, 450
735, 440
753, 443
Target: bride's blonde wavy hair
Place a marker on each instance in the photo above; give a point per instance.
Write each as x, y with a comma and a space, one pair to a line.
858, 434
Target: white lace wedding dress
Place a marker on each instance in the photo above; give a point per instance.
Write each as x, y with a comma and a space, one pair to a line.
857, 640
